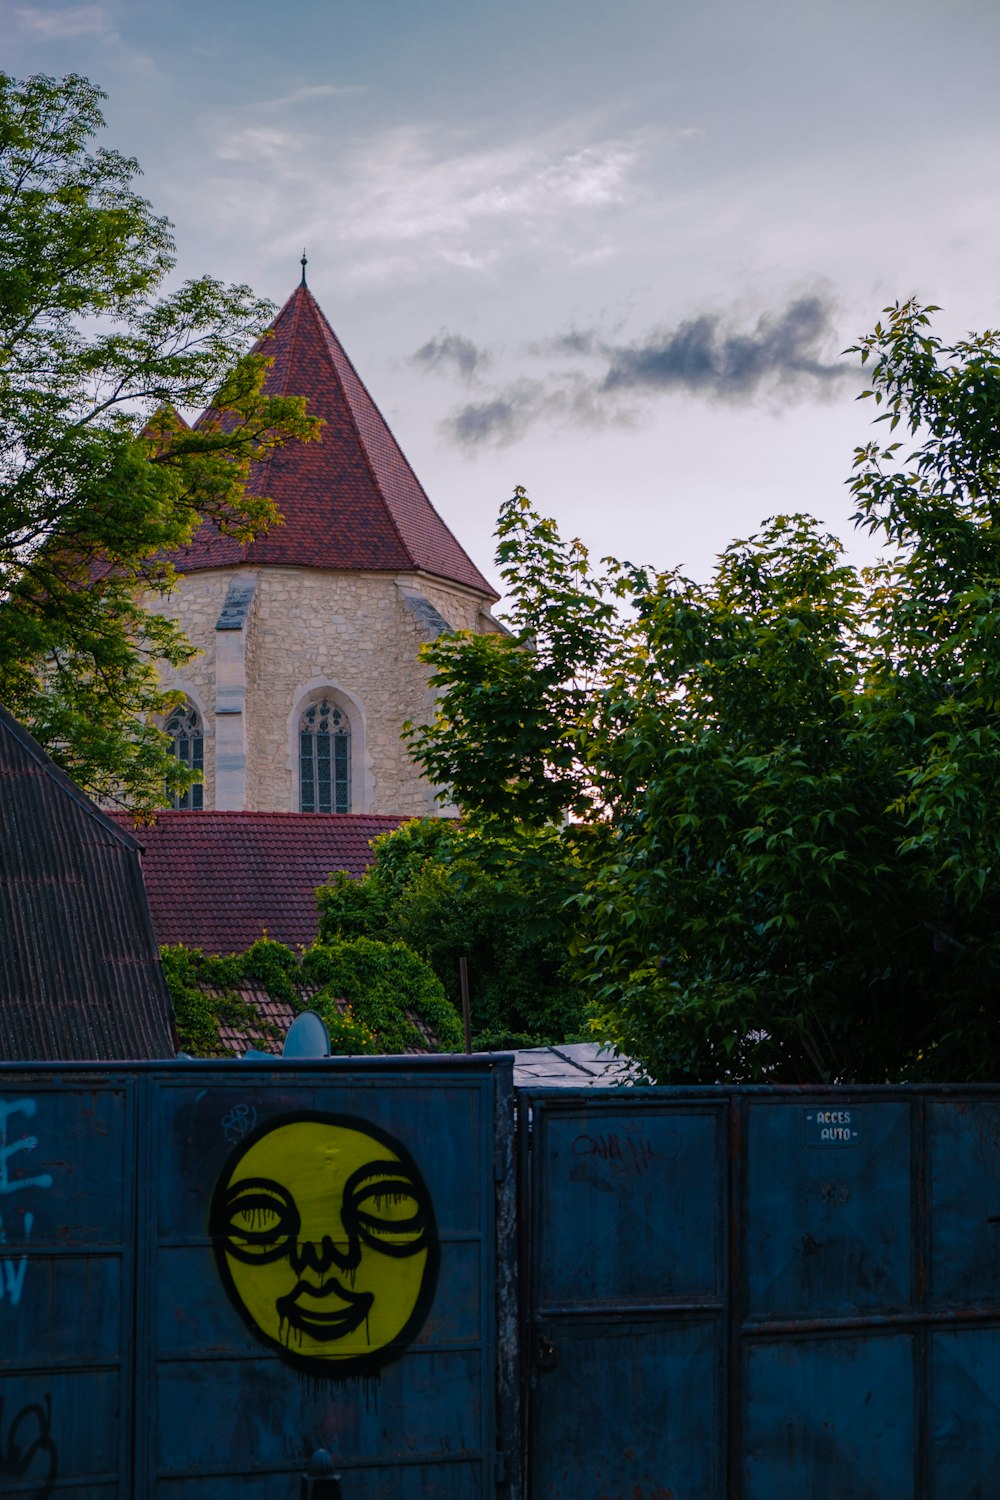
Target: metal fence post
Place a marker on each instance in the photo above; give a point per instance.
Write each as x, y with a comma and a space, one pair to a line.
319, 1482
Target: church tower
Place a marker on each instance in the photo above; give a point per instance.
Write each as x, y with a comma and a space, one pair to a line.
309, 635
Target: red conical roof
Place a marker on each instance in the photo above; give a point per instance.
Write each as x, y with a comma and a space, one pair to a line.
349, 499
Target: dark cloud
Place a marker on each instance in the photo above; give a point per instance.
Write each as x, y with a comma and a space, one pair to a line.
451, 353
499, 421
575, 341
709, 356
566, 400
502, 419
706, 357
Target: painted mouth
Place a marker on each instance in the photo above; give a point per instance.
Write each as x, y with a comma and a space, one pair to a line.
299, 1311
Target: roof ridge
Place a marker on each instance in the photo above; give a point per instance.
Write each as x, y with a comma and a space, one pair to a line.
260, 347
418, 567
327, 329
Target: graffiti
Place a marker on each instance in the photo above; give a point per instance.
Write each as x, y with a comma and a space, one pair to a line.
14, 1269
28, 1452
238, 1123
625, 1154
325, 1240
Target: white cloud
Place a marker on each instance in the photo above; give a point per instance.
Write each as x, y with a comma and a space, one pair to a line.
56, 23
416, 201
406, 200
309, 93
259, 143
414, 185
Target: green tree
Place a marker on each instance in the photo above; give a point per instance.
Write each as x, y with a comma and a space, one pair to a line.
98, 475
783, 781
448, 892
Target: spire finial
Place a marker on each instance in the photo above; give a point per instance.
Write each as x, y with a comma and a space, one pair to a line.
303, 263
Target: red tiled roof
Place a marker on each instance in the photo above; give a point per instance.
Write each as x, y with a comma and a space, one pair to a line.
218, 880
275, 1016
349, 499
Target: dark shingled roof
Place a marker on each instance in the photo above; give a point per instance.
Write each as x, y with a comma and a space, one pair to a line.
80, 975
349, 499
219, 880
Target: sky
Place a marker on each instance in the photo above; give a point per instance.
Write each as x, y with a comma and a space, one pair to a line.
612, 253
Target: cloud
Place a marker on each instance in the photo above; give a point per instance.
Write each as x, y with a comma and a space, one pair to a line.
500, 420
708, 356
424, 199
452, 353
259, 143
416, 185
566, 400
308, 93
59, 22
705, 356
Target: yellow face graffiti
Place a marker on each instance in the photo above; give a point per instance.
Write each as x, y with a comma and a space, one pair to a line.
324, 1237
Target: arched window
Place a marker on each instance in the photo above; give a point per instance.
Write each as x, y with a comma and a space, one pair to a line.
324, 759
188, 744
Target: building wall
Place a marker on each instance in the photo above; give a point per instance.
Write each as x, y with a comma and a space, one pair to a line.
197, 602
306, 632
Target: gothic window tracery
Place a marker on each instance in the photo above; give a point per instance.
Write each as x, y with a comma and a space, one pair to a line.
324, 759
187, 736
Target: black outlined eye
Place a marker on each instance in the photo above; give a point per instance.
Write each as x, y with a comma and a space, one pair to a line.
260, 1219
386, 1208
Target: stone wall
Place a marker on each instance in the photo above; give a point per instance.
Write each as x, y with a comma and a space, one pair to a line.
306, 632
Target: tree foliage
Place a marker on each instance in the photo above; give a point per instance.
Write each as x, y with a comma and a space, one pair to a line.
784, 781
449, 892
98, 474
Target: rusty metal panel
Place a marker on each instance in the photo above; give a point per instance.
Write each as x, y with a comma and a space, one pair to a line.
964, 1415
627, 1406
963, 1207
828, 1207
320, 1245
830, 1415
848, 1343
626, 1287
964, 1193
829, 1378
67, 1213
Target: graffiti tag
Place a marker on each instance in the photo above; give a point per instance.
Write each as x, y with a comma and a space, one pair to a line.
28, 1452
627, 1153
239, 1122
13, 1269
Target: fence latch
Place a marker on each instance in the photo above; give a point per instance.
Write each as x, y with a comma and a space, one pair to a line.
319, 1482
546, 1353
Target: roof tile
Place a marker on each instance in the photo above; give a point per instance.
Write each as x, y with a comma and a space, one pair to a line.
220, 880
349, 499
80, 975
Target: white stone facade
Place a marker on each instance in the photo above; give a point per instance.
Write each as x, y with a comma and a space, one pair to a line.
273, 639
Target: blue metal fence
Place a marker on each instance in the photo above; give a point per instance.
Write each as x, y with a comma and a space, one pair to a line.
762, 1294
208, 1272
